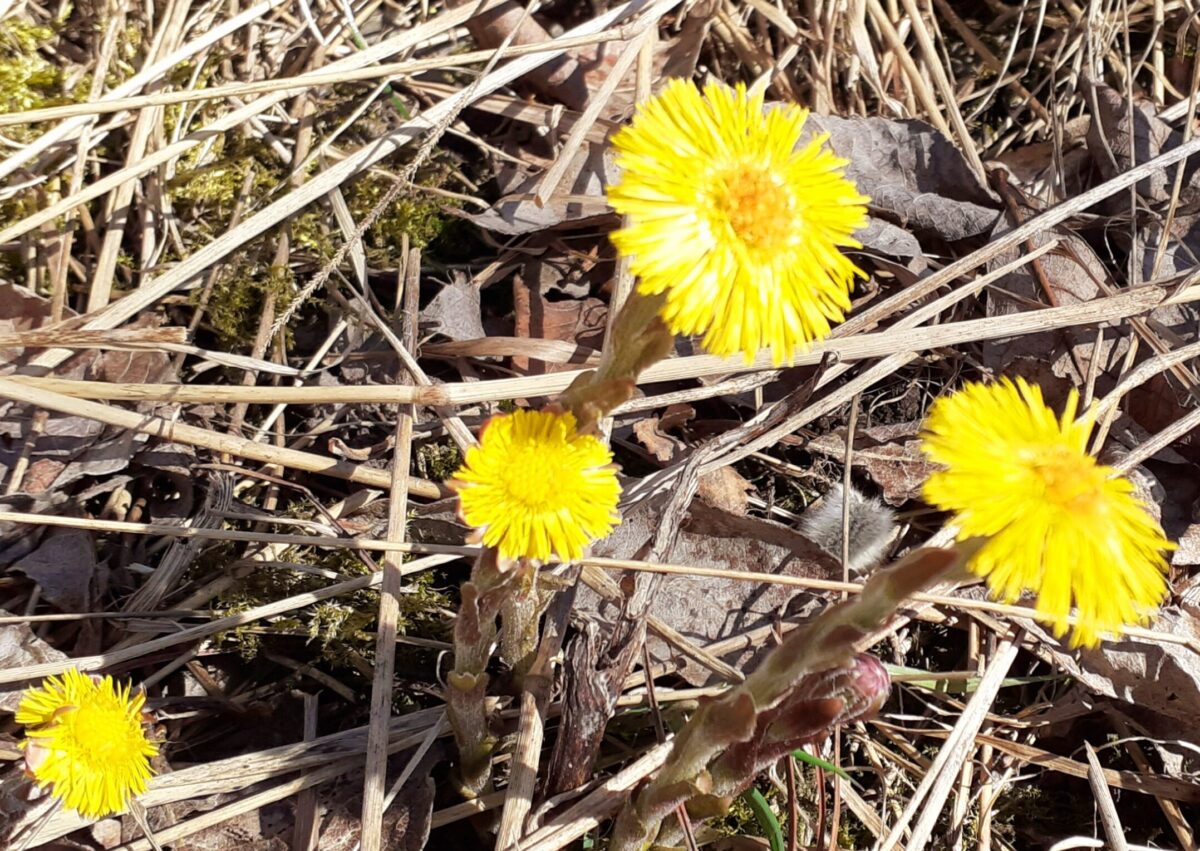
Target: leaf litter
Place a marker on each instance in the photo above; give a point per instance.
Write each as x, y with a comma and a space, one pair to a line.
504, 233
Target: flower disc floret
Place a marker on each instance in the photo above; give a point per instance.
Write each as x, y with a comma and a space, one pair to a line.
1058, 523
86, 741
739, 224
534, 487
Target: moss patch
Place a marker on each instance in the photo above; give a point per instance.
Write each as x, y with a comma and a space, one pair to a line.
438, 461
337, 631
413, 213
28, 80
236, 303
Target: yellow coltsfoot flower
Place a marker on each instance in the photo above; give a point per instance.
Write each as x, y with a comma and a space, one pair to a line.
534, 487
86, 742
1059, 524
737, 225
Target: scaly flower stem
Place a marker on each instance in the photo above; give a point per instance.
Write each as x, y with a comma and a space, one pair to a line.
706, 759
522, 608
817, 704
639, 339
497, 587
466, 686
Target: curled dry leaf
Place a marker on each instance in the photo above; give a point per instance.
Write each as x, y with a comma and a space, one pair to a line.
1040, 174
578, 321
1187, 554
560, 78
578, 200
67, 448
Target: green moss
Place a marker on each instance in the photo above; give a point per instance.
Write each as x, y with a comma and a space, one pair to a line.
28, 80
310, 232
236, 303
412, 213
338, 631
205, 193
438, 461
244, 640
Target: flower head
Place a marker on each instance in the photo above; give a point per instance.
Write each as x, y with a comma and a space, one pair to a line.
535, 487
1058, 523
85, 740
739, 226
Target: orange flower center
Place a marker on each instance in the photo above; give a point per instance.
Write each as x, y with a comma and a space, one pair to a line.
754, 205
1070, 481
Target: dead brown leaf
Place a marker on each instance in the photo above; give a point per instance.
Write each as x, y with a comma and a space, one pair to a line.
1071, 274
1120, 137
65, 568
706, 609
913, 173
1158, 676
20, 647
580, 322
1187, 553
723, 488
454, 311
890, 454
578, 200
560, 78
1180, 255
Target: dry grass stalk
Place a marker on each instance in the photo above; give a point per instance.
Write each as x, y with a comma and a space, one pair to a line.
269, 610
834, 59
1020, 613
941, 777
1104, 802
375, 782
194, 436
901, 340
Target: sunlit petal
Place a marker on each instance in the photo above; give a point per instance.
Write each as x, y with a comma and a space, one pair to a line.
535, 487
739, 224
1060, 525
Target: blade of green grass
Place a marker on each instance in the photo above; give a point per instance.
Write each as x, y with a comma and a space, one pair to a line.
804, 756
765, 816
959, 682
